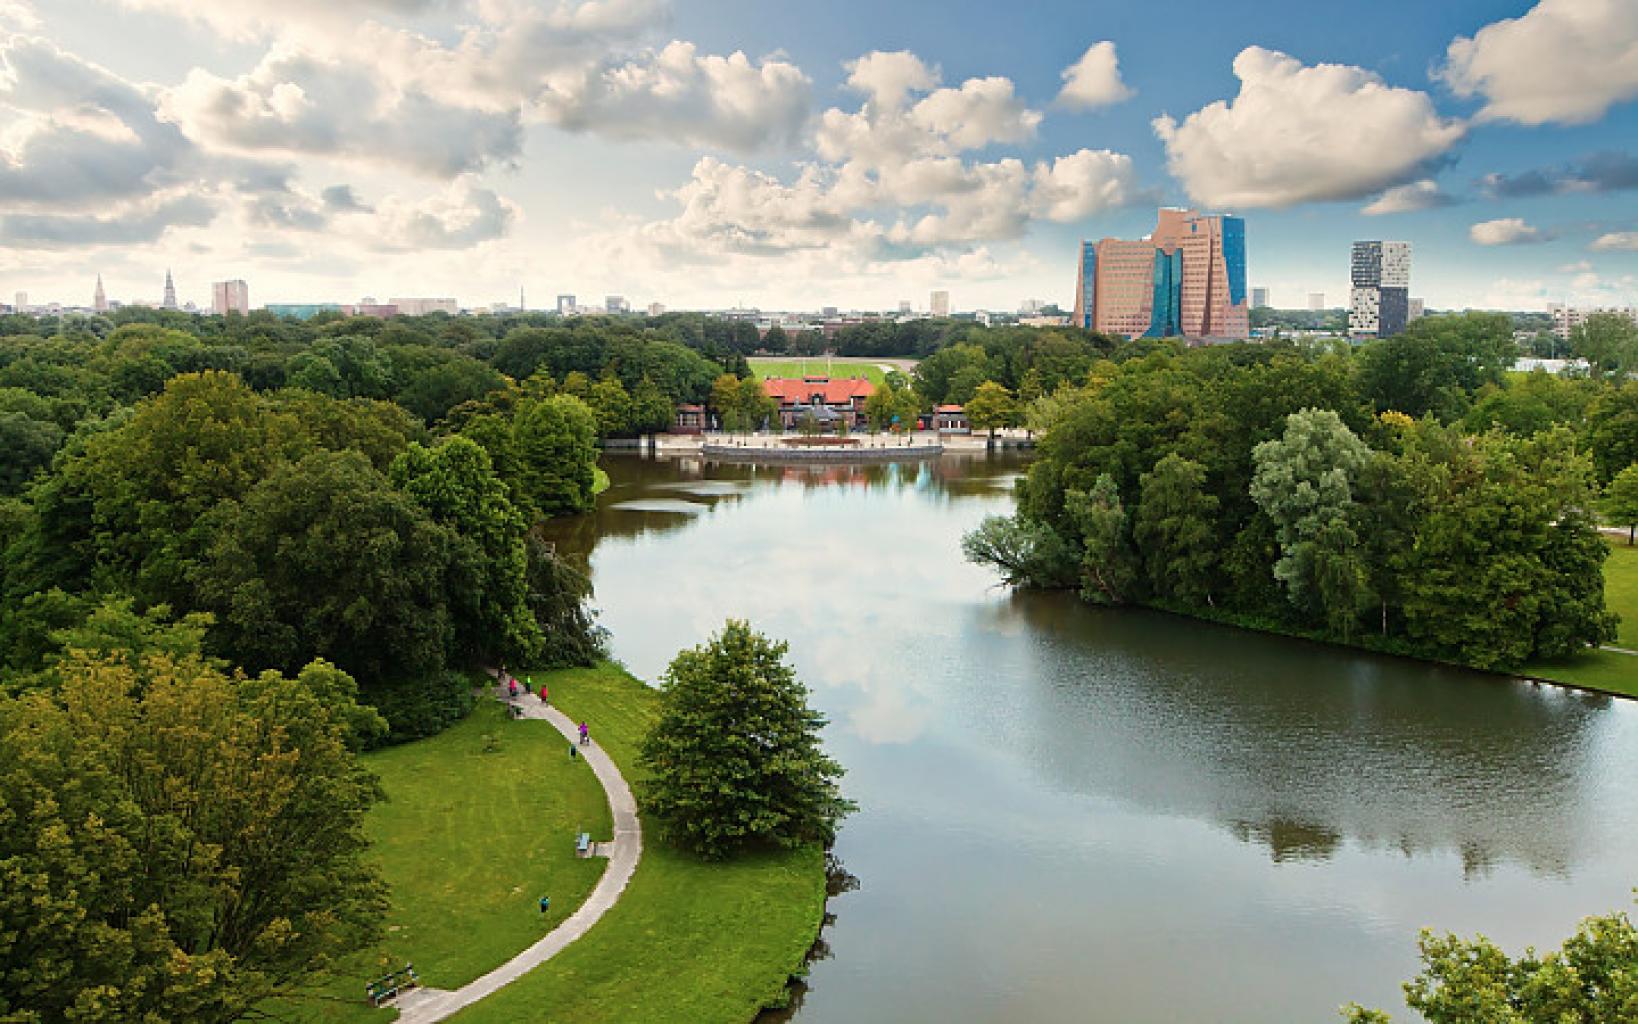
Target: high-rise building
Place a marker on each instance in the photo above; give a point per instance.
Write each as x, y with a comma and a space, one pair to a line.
1187, 279
1259, 298
99, 298
1316, 300
22, 302
565, 305
940, 304
169, 301
1379, 303
904, 307
656, 309
229, 297
616, 304
1415, 309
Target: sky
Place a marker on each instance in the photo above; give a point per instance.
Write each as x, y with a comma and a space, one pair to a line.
784, 155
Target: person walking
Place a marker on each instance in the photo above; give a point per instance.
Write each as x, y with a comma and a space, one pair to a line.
512, 688
544, 694
585, 734
545, 904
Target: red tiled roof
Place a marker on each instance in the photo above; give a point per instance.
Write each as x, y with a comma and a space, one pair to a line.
841, 391
949, 408
690, 408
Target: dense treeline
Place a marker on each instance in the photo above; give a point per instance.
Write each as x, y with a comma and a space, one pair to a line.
1411, 495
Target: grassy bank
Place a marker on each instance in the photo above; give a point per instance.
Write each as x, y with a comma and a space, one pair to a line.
600, 480
688, 941
1606, 670
479, 824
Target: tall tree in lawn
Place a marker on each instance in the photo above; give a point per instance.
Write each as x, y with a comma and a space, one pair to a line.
1175, 530
1304, 483
735, 760
651, 411
325, 558
1620, 502
488, 588
991, 407
555, 444
180, 845
776, 340
1612, 429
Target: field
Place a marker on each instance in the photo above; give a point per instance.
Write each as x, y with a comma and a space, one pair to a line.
872, 369
690, 942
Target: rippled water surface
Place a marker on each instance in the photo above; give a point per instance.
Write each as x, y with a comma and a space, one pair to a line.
1079, 814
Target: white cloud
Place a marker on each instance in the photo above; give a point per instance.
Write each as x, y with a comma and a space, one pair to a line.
1506, 231
1617, 241
463, 215
1094, 80
298, 103
1564, 60
141, 221
1299, 134
1083, 184
1578, 267
1418, 195
252, 19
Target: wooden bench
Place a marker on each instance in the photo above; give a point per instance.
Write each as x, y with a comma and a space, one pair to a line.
582, 845
389, 985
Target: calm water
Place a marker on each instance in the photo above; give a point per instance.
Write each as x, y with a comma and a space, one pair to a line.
1075, 814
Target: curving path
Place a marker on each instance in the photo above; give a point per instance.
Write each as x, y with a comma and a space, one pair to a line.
424, 1005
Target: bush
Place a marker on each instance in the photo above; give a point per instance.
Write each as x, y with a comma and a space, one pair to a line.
418, 708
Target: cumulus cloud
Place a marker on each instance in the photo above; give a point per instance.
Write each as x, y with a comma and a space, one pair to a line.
1617, 241
463, 215
342, 199
251, 19
1566, 61
1094, 80
73, 134
1608, 171
1418, 195
298, 103
1506, 231
1298, 134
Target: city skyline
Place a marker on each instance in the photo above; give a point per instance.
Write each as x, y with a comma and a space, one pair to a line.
794, 159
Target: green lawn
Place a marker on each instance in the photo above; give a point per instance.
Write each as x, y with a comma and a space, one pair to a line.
688, 941
1606, 670
600, 480
765, 367
469, 840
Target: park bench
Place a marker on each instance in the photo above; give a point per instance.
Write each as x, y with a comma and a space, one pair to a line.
389, 985
582, 845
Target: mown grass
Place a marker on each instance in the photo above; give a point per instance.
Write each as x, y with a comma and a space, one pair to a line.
765, 367
473, 833
1606, 670
689, 941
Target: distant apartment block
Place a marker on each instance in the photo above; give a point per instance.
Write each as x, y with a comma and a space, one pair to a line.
616, 304
1379, 303
1567, 318
939, 305
1187, 279
421, 307
656, 309
1259, 298
230, 297
1316, 300
565, 305
1416, 310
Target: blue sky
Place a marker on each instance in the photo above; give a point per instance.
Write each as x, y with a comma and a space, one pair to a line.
789, 155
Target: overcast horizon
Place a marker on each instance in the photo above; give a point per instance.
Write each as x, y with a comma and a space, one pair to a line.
706, 155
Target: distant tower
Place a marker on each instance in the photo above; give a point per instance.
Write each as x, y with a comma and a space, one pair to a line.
99, 301
169, 301
523, 306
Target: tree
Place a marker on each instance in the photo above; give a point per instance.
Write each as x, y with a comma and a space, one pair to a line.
755, 404
1608, 342
1107, 563
727, 401
1174, 529
1304, 483
992, 406
735, 759
1620, 504
776, 340
651, 411
610, 406
555, 446
1026, 553
1436, 364
325, 558
1591, 979
179, 845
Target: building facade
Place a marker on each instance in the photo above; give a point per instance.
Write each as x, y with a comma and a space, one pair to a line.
229, 297
1187, 279
1567, 318
1379, 303
169, 301
421, 307
825, 398
1259, 298
939, 305
302, 310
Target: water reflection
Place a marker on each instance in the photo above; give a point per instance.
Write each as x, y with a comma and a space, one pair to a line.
1112, 792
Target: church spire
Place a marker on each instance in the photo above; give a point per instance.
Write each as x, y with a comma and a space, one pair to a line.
170, 291
99, 299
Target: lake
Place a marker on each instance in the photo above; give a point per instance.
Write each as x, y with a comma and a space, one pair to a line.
1072, 813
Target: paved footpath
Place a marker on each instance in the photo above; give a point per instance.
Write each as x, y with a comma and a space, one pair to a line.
424, 1005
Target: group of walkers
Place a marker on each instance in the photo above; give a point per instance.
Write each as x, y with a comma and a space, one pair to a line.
511, 683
